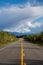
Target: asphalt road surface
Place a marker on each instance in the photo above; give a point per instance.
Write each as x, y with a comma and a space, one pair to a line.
11, 54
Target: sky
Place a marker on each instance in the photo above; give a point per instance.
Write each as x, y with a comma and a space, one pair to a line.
21, 16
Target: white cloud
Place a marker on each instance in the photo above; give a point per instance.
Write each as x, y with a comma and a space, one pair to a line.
15, 16
24, 27
21, 29
28, 11
34, 25
26, 30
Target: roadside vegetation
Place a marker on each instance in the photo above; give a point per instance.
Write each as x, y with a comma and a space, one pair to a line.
6, 38
35, 38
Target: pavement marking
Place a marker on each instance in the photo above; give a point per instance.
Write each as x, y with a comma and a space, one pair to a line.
22, 55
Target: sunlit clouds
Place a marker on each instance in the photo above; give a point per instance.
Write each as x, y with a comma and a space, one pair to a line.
21, 18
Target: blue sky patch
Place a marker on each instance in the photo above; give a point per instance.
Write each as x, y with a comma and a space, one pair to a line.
21, 15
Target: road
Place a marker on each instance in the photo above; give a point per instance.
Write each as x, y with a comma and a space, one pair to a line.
11, 54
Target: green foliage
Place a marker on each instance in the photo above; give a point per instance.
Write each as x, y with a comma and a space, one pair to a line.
35, 38
5, 38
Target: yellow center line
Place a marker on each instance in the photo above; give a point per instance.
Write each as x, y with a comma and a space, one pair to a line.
22, 55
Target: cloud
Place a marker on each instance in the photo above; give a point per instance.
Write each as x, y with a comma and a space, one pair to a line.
14, 18
21, 29
25, 26
36, 2
34, 25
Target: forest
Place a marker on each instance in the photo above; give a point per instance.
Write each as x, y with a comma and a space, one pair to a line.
35, 38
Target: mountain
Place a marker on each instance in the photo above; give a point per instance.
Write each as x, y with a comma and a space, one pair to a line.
27, 33
20, 34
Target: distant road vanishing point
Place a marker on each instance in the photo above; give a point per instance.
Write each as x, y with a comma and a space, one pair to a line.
11, 54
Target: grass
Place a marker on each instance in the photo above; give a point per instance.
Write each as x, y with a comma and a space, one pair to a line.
6, 38
36, 42
2, 44
40, 44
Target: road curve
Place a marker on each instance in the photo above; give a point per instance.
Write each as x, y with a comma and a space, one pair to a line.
11, 54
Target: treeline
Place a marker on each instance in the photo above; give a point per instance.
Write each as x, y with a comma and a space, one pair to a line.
5, 37
36, 38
